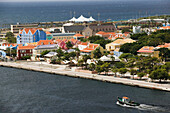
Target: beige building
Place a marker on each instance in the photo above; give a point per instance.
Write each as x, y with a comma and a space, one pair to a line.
91, 29
62, 36
16, 28
115, 46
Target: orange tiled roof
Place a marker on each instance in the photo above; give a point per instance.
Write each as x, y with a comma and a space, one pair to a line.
100, 32
166, 45
45, 42
165, 27
47, 32
90, 48
78, 35
25, 47
146, 49
33, 30
83, 43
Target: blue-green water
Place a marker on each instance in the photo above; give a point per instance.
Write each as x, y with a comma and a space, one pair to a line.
24, 91
61, 11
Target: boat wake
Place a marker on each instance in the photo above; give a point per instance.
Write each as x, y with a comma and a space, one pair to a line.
146, 107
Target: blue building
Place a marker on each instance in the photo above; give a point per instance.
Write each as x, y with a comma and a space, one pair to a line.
30, 35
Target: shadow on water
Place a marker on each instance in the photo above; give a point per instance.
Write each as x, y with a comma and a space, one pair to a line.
147, 107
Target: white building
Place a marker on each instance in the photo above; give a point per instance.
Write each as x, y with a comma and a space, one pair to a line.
136, 29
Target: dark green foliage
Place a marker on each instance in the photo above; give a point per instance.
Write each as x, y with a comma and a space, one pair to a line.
97, 53
99, 40
12, 52
164, 53
155, 39
69, 45
159, 74
119, 65
125, 30
10, 37
141, 74
25, 57
44, 52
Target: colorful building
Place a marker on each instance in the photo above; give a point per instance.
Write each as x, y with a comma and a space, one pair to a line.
89, 48
49, 36
148, 51
24, 51
29, 35
115, 45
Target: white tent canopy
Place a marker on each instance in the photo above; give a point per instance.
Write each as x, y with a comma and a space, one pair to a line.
73, 19
82, 19
91, 19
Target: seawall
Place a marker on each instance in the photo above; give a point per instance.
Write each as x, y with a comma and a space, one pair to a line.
61, 71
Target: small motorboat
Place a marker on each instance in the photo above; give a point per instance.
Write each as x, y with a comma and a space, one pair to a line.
126, 101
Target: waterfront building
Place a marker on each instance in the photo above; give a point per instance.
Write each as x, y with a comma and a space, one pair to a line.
16, 28
40, 48
115, 45
89, 48
91, 29
24, 51
49, 36
78, 36
62, 36
29, 35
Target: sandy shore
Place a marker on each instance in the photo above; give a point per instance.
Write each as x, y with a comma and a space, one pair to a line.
62, 70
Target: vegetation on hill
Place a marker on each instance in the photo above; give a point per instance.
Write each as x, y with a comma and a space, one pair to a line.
155, 39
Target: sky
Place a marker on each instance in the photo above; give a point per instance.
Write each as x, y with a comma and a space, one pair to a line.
42, 0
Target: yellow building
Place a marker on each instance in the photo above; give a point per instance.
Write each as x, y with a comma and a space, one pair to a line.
115, 46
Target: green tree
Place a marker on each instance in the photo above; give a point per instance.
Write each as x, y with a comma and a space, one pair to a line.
10, 37
44, 52
164, 53
119, 65
125, 30
97, 53
122, 71
106, 67
60, 53
92, 67
141, 74
99, 69
126, 56
159, 74
69, 45
133, 72
114, 70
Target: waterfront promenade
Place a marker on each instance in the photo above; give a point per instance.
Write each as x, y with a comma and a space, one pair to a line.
63, 70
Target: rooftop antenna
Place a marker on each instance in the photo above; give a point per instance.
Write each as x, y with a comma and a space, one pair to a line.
89, 14
74, 14
70, 14
98, 16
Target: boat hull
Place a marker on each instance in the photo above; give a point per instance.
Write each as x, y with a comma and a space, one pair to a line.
119, 100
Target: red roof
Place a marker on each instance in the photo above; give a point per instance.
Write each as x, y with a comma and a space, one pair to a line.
47, 32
